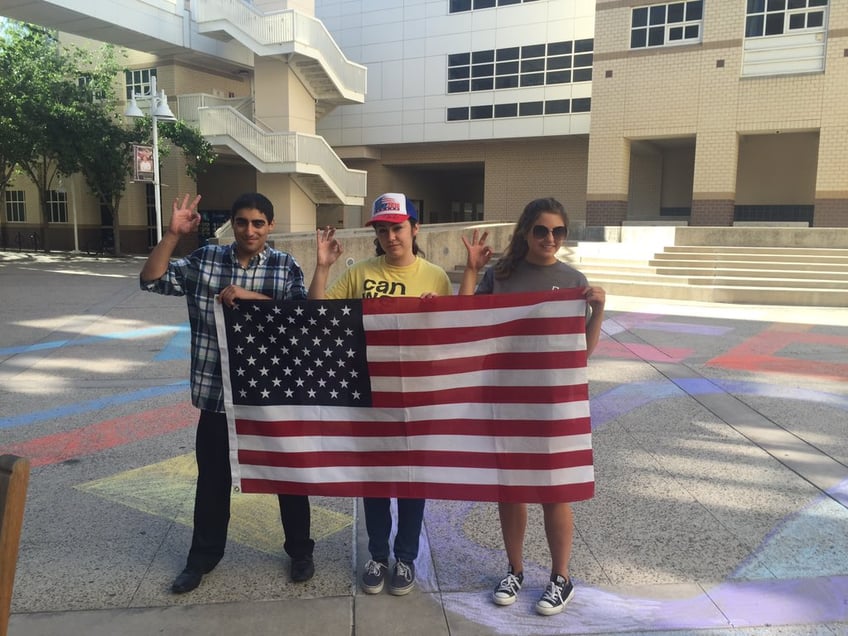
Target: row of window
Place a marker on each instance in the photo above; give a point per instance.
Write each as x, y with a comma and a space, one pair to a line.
523, 109
457, 6
57, 204
519, 66
672, 23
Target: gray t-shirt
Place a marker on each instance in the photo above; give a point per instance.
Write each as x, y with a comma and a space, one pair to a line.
528, 277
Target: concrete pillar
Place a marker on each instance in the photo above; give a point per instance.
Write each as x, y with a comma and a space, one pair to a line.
714, 183
283, 104
294, 211
282, 101
607, 189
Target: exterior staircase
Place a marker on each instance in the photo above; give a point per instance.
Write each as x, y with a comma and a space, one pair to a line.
804, 276
743, 265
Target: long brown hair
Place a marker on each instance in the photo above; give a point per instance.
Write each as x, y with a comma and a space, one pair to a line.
518, 248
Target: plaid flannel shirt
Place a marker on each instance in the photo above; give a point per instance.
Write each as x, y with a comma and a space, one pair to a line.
201, 275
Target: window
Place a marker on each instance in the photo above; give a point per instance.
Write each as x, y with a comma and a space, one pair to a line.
57, 206
779, 17
524, 109
506, 110
481, 112
138, 81
666, 24
457, 6
520, 66
15, 206
458, 114
84, 83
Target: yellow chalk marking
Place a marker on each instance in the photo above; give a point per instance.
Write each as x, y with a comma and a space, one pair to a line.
166, 489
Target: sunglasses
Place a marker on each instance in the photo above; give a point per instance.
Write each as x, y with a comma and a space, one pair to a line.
541, 232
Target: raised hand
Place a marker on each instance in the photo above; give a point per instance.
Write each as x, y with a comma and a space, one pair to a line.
479, 253
184, 216
329, 249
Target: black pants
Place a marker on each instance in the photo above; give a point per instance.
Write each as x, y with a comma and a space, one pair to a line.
212, 500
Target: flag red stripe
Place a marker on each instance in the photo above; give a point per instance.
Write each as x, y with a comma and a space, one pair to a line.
505, 461
541, 360
466, 492
559, 325
482, 394
496, 428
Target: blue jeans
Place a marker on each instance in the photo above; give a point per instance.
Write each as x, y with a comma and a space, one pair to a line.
378, 522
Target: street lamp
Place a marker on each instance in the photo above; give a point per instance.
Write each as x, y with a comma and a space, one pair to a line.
158, 110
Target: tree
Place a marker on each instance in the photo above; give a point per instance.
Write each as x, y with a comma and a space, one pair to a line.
41, 95
60, 115
107, 164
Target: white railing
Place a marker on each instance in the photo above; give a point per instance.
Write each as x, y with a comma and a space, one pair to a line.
189, 104
279, 31
307, 154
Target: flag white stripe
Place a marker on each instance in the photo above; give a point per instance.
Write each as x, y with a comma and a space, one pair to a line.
402, 443
488, 377
422, 475
512, 344
318, 413
473, 317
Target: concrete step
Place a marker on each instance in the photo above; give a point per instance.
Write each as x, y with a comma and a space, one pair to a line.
737, 274
755, 295
714, 273
817, 252
725, 278
749, 275
806, 266
739, 257
747, 272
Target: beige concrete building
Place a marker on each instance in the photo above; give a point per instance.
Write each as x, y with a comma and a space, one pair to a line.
715, 112
699, 112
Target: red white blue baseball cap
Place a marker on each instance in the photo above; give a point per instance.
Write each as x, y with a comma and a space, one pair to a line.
392, 207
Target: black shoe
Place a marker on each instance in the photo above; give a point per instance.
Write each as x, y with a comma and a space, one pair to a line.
403, 578
302, 569
187, 580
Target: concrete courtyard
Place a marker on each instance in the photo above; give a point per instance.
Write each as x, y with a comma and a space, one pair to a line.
721, 461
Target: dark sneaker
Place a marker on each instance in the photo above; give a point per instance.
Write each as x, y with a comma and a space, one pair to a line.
403, 578
302, 569
556, 596
507, 590
374, 576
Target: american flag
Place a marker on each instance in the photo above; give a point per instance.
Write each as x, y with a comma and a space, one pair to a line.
476, 398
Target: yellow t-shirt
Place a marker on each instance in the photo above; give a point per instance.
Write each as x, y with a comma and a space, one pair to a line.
375, 277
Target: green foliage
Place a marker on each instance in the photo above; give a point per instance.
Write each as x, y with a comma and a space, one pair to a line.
198, 152
58, 108
59, 115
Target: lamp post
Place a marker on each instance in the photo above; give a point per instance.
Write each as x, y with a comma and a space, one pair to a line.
158, 110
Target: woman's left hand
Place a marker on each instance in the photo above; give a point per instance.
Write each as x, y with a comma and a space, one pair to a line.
595, 296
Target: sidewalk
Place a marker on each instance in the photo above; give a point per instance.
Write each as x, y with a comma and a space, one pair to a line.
721, 462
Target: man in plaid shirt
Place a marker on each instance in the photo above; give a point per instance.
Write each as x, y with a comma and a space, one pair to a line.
247, 269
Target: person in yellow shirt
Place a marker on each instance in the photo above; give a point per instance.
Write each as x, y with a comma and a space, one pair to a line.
398, 269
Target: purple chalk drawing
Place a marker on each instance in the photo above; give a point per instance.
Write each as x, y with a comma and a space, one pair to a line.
777, 584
